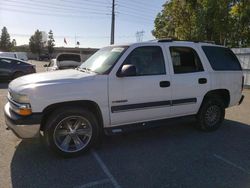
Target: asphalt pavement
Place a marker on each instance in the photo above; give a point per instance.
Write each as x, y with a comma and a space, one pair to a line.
173, 154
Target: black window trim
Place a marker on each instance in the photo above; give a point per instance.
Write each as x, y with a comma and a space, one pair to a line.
123, 63
195, 53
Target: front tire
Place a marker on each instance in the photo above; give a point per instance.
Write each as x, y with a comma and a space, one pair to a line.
72, 131
211, 114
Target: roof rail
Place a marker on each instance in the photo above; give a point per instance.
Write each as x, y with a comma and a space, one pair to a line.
194, 41
165, 40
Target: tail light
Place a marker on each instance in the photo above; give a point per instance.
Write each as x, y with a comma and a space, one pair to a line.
32, 68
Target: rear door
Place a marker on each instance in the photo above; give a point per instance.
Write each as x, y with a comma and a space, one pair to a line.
190, 81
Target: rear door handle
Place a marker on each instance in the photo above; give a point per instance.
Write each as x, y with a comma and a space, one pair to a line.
164, 83
202, 80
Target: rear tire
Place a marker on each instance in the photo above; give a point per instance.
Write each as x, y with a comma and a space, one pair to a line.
72, 131
211, 113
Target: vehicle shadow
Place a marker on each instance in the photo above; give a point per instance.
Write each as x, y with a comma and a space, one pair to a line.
175, 155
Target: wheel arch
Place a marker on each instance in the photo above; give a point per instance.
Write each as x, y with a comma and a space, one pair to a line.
224, 94
90, 105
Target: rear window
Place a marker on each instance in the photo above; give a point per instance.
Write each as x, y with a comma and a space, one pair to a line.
69, 57
221, 59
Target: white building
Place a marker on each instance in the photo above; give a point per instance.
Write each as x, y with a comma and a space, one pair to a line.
243, 55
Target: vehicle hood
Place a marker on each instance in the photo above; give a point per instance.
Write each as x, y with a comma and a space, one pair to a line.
49, 78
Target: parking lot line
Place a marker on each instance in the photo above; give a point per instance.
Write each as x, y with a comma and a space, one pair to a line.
231, 163
94, 183
106, 170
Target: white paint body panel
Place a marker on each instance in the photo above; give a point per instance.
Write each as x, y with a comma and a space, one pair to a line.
54, 87
48, 88
136, 90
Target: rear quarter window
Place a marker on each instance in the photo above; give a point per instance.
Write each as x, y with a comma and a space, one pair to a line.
69, 57
221, 59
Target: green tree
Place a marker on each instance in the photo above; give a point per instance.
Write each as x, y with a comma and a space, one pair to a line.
51, 43
36, 44
223, 21
240, 23
5, 44
13, 44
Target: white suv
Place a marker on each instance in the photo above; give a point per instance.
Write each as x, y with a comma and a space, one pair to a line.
64, 61
121, 87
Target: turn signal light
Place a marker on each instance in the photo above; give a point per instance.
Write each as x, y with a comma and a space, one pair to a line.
24, 111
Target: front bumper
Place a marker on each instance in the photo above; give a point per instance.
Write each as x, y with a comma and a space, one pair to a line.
22, 126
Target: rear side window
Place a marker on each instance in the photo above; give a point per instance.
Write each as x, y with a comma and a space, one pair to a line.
185, 60
69, 57
221, 59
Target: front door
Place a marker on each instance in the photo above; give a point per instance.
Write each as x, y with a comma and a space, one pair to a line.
145, 96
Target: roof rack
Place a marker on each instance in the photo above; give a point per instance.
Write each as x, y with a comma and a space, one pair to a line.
166, 40
194, 41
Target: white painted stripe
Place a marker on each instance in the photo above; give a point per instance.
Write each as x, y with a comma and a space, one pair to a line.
231, 163
94, 183
106, 170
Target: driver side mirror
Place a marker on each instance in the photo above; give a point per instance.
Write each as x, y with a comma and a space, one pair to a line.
127, 70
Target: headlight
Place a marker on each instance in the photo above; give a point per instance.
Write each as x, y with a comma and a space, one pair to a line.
20, 98
19, 103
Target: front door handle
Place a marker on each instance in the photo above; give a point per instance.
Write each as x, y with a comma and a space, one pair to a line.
164, 83
202, 80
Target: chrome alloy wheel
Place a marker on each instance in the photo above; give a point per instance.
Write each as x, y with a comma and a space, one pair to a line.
212, 115
72, 134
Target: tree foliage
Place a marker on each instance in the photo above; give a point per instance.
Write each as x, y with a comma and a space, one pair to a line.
5, 43
36, 44
223, 21
51, 42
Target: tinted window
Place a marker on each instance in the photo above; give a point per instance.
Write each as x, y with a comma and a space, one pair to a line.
185, 60
18, 62
69, 57
5, 62
148, 60
221, 58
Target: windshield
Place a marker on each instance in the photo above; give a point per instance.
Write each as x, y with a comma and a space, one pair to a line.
103, 59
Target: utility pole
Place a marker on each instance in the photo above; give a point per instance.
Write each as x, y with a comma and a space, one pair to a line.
112, 38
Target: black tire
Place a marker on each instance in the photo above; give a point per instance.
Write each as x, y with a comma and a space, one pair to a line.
17, 74
55, 124
211, 114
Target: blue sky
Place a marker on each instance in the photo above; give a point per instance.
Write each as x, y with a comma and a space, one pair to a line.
86, 21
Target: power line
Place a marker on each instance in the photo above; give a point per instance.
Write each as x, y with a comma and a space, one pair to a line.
70, 8
56, 6
137, 16
63, 12
134, 11
48, 14
139, 7
87, 2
